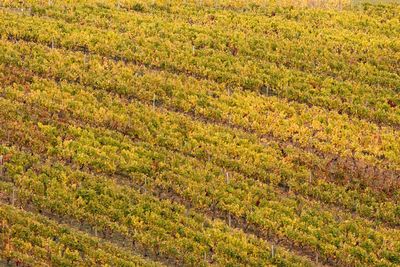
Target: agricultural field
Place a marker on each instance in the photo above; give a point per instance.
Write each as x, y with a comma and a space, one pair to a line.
197, 133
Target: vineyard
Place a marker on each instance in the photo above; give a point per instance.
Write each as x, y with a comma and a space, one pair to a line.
197, 133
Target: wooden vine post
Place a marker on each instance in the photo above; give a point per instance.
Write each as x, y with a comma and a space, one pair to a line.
1, 165
13, 196
272, 251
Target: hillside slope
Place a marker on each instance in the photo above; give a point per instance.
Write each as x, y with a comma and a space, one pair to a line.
195, 133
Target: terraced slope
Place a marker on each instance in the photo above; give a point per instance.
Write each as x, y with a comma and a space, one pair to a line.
229, 133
